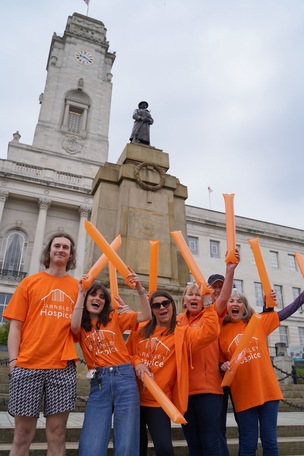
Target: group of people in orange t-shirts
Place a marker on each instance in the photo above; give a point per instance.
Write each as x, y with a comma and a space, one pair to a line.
186, 354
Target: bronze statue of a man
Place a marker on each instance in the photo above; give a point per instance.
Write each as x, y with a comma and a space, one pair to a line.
142, 121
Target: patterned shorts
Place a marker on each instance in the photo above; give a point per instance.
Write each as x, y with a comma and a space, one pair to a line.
28, 387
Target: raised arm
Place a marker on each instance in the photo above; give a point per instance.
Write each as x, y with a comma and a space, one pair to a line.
291, 308
145, 312
221, 302
78, 309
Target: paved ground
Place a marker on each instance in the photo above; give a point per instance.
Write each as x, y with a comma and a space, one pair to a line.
76, 420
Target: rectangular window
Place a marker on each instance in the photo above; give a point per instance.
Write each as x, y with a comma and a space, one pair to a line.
283, 331
214, 249
238, 284
301, 335
296, 292
193, 244
279, 295
292, 263
274, 259
4, 300
74, 120
258, 294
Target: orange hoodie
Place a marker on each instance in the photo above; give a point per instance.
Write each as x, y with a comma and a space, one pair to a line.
186, 341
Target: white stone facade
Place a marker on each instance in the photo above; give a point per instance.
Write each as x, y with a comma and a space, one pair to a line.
280, 242
46, 187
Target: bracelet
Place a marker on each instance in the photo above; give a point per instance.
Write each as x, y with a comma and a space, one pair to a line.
142, 291
11, 360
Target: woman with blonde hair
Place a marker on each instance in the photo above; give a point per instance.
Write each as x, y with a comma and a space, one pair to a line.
255, 389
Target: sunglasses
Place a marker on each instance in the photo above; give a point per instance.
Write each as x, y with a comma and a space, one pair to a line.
165, 304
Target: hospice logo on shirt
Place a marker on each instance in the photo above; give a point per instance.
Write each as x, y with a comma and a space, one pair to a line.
101, 342
249, 353
57, 304
153, 352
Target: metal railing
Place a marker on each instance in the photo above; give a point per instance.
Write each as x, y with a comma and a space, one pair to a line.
10, 274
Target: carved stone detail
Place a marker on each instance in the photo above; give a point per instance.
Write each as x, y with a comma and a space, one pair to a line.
145, 185
44, 203
72, 144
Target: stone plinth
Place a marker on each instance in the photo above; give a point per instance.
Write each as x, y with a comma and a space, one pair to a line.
137, 199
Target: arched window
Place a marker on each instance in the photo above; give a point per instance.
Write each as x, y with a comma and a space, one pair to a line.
75, 118
13, 254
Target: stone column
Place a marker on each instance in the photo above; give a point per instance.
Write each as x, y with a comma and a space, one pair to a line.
3, 197
44, 204
84, 212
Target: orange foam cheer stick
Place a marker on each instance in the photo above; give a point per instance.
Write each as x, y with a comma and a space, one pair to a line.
163, 400
230, 229
240, 352
300, 261
154, 245
193, 267
109, 252
99, 265
254, 244
113, 285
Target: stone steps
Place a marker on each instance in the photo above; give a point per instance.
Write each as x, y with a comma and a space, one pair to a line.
290, 435
288, 445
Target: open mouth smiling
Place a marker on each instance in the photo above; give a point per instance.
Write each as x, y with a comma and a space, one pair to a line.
235, 311
95, 305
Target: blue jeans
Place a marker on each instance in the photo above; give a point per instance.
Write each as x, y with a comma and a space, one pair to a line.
248, 420
113, 391
203, 429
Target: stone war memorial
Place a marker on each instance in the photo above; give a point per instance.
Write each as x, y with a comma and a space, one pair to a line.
137, 199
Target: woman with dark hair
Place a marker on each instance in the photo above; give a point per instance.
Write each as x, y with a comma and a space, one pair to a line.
162, 349
99, 331
255, 389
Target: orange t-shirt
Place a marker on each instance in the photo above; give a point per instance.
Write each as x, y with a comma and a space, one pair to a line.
255, 381
205, 376
44, 303
168, 357
158, 354
106, 346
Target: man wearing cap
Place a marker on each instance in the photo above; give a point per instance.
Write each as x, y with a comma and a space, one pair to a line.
142, 121
216, 282
203, 430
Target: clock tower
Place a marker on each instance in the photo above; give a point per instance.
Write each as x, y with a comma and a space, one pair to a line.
73, 123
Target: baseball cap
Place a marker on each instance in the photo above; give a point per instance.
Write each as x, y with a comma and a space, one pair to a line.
214, 278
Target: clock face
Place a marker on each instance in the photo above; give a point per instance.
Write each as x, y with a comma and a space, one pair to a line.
84, 57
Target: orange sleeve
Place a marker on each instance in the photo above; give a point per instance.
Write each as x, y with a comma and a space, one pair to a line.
208, 331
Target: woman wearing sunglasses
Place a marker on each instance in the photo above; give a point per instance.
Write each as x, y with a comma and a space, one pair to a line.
162, 349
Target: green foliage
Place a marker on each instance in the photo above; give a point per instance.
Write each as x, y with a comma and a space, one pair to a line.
300, 372
4, 328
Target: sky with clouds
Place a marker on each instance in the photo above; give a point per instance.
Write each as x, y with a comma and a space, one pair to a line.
224, 80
